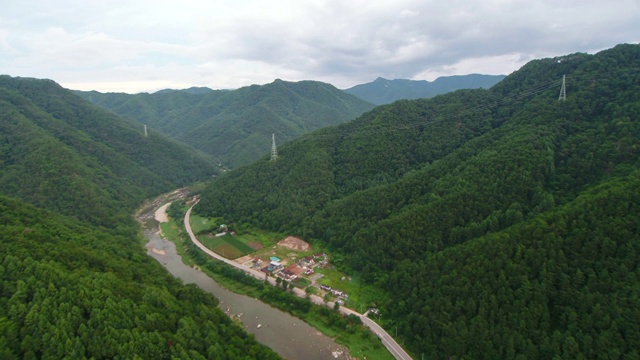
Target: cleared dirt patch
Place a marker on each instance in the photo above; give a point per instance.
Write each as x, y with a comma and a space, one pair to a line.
255, 245
294, 243
244, 259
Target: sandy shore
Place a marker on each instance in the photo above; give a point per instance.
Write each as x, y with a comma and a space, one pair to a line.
161, 213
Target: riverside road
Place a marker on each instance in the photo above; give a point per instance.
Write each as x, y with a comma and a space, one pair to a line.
396, 350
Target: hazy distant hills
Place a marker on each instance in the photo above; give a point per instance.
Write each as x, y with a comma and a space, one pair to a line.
499, 223
383, 91
236, 126
194, 90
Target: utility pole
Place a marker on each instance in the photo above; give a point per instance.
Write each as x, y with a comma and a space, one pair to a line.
274, 150
563, 90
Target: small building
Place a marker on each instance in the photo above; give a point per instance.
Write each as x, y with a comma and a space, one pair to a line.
338, 293
287, 275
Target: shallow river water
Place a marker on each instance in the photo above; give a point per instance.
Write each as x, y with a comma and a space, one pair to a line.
289, 336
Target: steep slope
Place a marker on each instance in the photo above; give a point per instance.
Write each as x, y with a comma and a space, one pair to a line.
74, 279
418, 183
564, 284
164, 111
382, 91
68, 290
236, 126
64, 154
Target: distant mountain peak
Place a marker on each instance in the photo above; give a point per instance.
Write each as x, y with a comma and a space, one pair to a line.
384, 91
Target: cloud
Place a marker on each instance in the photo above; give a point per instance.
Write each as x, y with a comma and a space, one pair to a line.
141, 45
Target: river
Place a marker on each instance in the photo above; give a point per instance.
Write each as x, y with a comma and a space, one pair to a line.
287, 335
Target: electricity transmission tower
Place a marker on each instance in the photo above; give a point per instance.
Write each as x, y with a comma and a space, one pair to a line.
563, 89
274, 150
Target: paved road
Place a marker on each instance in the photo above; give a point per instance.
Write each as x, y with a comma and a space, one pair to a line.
396, 350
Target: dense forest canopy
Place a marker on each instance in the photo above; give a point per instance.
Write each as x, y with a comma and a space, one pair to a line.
74, 291
60, 152
74, 279
501, 222
236, 126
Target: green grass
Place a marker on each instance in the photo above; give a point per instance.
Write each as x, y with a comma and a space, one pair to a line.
229, 246
361, 296
238, 243
301, 282
211, 242
198, 224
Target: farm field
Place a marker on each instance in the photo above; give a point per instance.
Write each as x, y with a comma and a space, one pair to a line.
231, 246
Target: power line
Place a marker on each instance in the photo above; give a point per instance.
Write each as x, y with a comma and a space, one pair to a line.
274, 150
563, 89
504, 100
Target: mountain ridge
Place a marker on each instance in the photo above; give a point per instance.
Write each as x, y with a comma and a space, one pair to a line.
236, 125
383, 91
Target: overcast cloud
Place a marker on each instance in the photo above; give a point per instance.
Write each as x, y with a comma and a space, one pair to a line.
137, 45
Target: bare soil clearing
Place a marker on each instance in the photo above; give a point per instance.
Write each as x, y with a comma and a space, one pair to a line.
293, 243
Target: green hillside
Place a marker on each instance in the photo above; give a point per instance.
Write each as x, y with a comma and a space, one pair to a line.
60, 152
73, 291
74, 278
431, 200
236, 126
382, 91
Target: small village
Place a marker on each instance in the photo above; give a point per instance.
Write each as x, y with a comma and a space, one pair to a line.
296, 268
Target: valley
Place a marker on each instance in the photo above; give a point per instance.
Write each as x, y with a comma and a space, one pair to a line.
481, 223
289, 336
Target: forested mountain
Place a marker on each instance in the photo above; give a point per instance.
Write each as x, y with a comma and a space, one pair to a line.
236, 126
502, 223
74, 280
73, 291
59, 152
382, 91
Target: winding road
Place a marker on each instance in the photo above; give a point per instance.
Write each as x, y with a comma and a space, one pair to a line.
396, 350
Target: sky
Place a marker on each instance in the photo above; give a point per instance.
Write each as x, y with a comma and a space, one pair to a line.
144, 46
